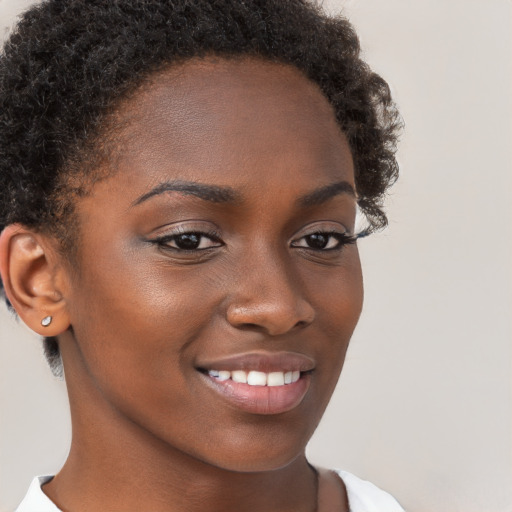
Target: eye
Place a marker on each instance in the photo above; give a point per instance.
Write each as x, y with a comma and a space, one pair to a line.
192, 241
324, 241
189, 241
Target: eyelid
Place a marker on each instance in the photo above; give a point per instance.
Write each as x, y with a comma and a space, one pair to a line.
202, 234
342, 239
162, 235
185, 226
332, 227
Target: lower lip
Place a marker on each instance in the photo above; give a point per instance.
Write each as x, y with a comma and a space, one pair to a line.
262, 399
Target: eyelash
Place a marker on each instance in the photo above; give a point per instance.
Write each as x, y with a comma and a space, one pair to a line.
343, 239
164, 240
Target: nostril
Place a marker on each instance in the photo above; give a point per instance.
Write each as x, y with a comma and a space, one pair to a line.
275, 315
250, 326
271, 324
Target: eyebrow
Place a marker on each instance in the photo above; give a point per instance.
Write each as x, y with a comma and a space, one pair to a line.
218, 194
323, 194
212, 193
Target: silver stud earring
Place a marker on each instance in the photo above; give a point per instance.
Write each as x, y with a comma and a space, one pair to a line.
46, 321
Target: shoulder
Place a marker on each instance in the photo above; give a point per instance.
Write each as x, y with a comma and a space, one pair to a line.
363, 496
36, 500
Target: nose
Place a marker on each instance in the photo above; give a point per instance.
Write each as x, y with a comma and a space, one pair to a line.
270, 298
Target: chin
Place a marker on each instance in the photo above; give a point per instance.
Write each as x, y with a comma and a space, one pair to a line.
268, 450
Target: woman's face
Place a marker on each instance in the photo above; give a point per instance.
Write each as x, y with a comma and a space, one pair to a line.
217, 250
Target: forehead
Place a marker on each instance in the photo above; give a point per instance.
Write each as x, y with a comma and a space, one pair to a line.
231, 115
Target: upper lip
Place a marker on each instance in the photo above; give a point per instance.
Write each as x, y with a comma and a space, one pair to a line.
261, 361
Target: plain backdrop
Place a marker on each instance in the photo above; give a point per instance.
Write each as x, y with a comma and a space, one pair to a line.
424, 404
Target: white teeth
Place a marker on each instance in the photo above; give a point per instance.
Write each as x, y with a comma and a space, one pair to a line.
239, 376
255, 378
224, 375
275, 379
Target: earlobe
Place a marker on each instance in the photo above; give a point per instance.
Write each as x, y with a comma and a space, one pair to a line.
29, 270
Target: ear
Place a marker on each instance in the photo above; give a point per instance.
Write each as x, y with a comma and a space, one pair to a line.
33, 276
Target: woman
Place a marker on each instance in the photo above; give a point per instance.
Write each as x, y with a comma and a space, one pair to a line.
180, 182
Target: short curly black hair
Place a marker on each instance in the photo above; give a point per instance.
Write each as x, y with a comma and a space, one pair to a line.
68, 64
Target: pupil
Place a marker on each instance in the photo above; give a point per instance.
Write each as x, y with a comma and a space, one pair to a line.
188, 241
317, 240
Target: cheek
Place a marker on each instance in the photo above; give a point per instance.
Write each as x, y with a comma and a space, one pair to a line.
338, 305
337, 295
133, 328
136, 354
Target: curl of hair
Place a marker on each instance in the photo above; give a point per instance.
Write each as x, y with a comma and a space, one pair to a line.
68, 63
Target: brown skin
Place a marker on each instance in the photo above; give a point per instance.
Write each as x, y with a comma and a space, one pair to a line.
136, 318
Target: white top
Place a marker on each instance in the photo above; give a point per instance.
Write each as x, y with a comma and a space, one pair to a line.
363, 496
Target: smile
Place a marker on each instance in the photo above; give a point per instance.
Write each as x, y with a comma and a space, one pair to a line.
260, 383
255, 378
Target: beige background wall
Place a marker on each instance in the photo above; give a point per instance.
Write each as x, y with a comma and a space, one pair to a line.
424, 406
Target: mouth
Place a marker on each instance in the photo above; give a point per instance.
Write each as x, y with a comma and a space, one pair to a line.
260, 383
255, 378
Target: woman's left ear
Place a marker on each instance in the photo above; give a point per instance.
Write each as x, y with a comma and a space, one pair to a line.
34, 279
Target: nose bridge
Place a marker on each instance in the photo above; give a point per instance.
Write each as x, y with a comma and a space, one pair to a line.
269, 295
